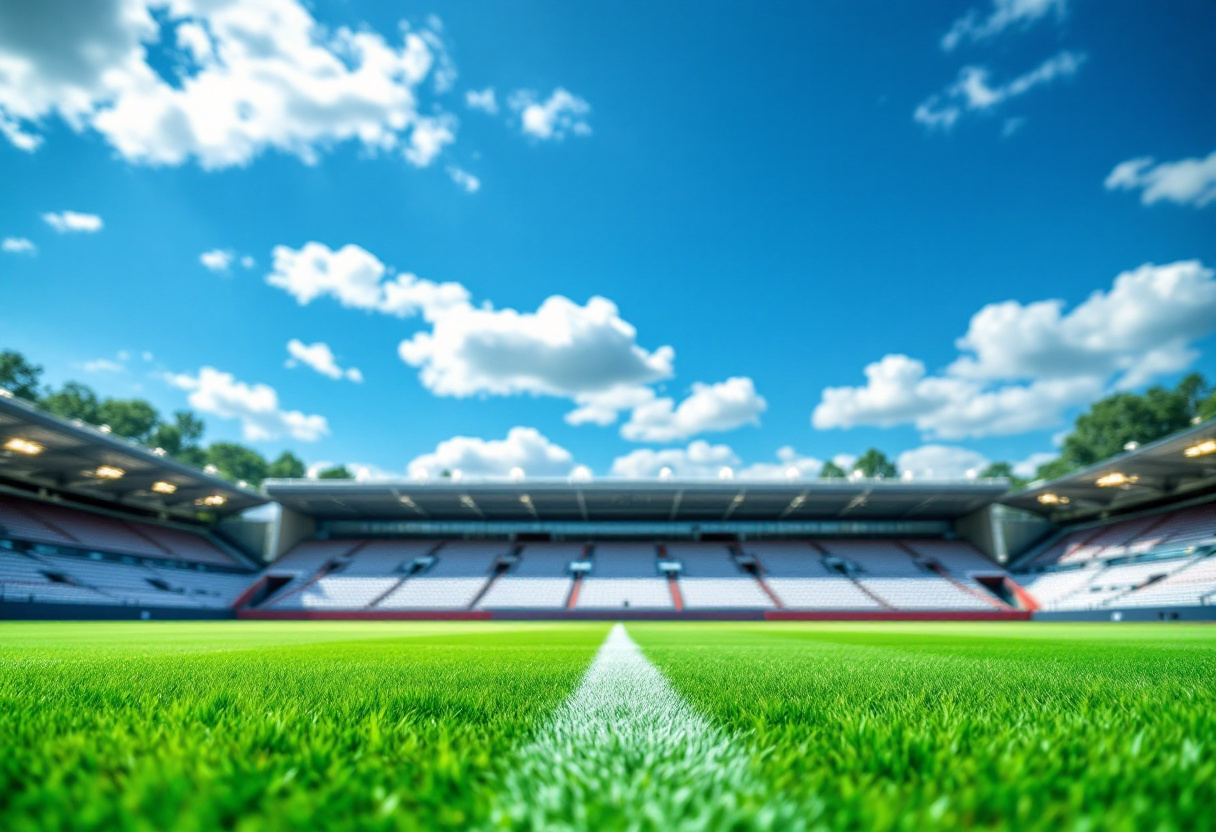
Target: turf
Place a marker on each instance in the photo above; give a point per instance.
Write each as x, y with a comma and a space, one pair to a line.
259, 726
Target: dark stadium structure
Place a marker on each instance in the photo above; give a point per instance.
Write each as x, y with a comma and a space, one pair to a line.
92, 526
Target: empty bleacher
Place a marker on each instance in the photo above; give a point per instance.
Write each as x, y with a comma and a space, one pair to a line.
540, 580
796, 574
625, 575
710, 578
459, 575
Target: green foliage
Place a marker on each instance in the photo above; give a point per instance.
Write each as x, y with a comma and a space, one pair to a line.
874, 463
180, 438
832, 471
1110, 424
997, 470
19, 376
338, 472
72, 401
131, 419
287, 467
236, 462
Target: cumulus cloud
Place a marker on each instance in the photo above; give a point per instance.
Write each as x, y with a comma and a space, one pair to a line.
320, 357
103, 365
790, 465
525, 449
974, 27
69, 222
247, 77
941, 462
256, 406
561, 349
216, 260
561, 113
1025, 364
357, 279
465, 180
18, 245
710, 408
1186, 181
484, 100
973, 93
699, 460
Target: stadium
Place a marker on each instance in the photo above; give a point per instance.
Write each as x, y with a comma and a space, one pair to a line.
607, 417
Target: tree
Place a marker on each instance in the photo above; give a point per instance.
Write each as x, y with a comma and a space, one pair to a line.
131, 418
19, 376
832, 471
287, 467
874, 463
236, 462
338, 472
179, 438
1002, 470
73, 401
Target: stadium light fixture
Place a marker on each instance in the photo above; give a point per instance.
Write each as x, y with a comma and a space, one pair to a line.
109, 472
159, 451
457, 475
726, 473
5, 393
210, 469
1202, 449
104, 428
797, 501
1115, 479
581, 474
1053, 499
664, 473
516, 473
525, 499
163, 487
792, 473
211, 500
407, 502
23, 446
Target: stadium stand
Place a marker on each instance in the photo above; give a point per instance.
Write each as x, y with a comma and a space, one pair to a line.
541, 579
711, 579
460, 574
795, 572
625, 575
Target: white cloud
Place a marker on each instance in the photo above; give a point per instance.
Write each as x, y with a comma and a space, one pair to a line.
973, 93
699, 460
216, 260
1026, 364
562, 113
255, 405
321, 358
941, 462
66, 222
1005, 13
484, 100
356, 278
470, 183
710, 408
603, 406
1030, 465
1186, 181
18, 245
103, 365
789, 465
250, 77
524, 448
561, 349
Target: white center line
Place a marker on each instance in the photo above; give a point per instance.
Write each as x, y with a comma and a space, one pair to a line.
625, 751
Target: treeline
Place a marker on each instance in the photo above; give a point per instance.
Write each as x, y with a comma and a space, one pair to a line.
179, 436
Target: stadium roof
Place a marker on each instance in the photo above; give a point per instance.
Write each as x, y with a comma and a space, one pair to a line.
1173, 468
39, 449
613, 500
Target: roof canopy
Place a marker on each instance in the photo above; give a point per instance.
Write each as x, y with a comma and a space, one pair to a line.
43, 450
1180, 465
634, 500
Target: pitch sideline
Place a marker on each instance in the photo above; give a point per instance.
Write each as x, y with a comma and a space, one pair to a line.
627, 751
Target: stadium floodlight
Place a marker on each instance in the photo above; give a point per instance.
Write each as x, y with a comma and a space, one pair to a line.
1053, 499
726, 473
457, 475
23, 446
516, 473
581, 473
407, 502
159, 451
792, 473
1202, 449
211, 500
525, 499
104, 428
210, 469
664, 473
163, 487
1116, 479
109, 472
1131, 446
5, 393
797, 501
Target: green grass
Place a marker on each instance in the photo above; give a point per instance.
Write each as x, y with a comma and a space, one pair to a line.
268, 726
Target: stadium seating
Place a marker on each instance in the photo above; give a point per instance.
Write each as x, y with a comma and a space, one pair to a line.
1164, 532
460, 574
795, 572
625, 575
540, 580
710, 579
1192, 585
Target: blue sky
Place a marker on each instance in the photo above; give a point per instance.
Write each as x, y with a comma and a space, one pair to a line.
768, 203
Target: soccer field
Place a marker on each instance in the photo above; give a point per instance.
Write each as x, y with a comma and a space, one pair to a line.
594, 726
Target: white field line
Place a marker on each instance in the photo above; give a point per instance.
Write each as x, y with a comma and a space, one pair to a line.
625, 751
